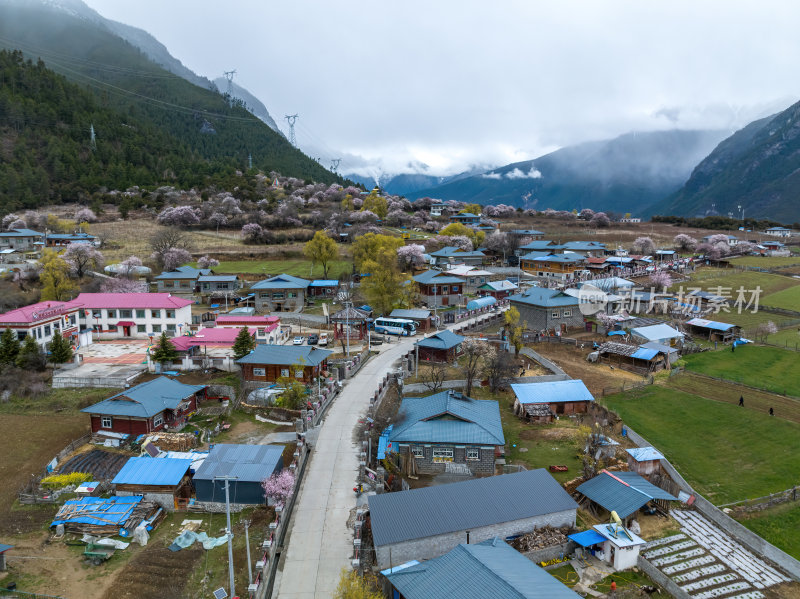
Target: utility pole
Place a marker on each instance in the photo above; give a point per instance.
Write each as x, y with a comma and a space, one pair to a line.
291, 119
229, 76
229, 531
247, 543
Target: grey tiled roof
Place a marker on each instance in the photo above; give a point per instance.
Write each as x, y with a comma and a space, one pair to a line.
442, 509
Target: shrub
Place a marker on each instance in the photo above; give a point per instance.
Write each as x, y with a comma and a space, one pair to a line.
59, 481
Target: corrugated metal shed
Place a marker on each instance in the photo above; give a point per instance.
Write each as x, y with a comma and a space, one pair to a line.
481, 302
656, 332
449, 417
552, 391
491, 569
150, 471
645, 454
286, 355
710, 324
248, 463
622, 492
432, 511
644, 353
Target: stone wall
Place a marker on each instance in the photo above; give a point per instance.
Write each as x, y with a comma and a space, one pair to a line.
426, 465
658, 577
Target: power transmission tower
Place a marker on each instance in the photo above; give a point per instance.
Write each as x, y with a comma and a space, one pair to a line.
229, 76
92, 140
291, 118
249, 162
335, 164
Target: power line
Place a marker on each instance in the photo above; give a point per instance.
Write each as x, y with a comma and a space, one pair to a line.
291, 119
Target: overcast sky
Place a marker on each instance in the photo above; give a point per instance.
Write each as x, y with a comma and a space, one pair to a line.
453, 84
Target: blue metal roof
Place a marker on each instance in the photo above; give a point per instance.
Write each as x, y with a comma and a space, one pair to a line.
283, 281
449, 417
324, 283
544, 298
552, 392
645, 353
456, 252
710, 324
383, 441
146, 399
217, 278
435, 277
488, 569
505, 285
645, 454
587, 538
152, 471
622, 492
542, 244
481, 302
20, 233
455, 507
97, 510
286, 355
248, 463
71, 236
442, 340
4, 547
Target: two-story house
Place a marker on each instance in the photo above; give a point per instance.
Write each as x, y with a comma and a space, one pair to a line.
64, 239
267, 363
281, 293
437, 288
137, 315
555, 266
466, 218
454, 255
547, 309
42, 321
182, 281
218, 286
21, 240
471, 276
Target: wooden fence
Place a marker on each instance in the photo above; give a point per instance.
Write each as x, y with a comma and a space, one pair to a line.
31, 493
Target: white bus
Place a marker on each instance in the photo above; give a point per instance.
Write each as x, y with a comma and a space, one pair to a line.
394, 326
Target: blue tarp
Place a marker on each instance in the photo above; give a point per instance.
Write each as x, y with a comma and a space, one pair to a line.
612, 333
96, 510
644, 353
383, 442
587, 538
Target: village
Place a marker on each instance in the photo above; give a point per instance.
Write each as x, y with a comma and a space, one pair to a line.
593, 410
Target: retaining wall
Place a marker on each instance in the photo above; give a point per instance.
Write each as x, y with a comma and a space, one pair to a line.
658, 577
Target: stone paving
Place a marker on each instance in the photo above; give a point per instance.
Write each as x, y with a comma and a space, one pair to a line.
707, 563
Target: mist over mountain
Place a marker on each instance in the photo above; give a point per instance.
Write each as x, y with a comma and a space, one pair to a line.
625, 174
757, 168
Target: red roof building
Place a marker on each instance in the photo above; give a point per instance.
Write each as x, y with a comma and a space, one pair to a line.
42, 321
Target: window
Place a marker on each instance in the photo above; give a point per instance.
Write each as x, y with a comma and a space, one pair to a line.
473, 453
72, 320
442, 454
22, 334
170, 328
292, 294
47, 330
259, 372
170, 313
112, 327
155, 313
105, 422
555, 314
140, 328
277, 295
298, 374
284, 372
205, 285
264, 296
96, 313
111, 313
168, 284
567, 313
125, 313
418, 451
156, 328
158, 421
222, 285
56, 326
185, 284
140, 314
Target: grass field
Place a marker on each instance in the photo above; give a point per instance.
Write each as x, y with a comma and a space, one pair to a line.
766, 261
788, 299
726, 453
295, 267
779, 524
789, 337
768, 368
731, 280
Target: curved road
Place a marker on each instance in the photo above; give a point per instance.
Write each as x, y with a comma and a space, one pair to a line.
319, 543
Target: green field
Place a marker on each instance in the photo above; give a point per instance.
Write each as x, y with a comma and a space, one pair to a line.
779, 524
789, 337
766, 261
771, 368
788, 299
731, 280
726, 453
295, 267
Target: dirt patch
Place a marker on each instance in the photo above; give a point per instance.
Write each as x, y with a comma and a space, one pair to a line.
655, 527
787, 590
28, 443
154, 573
548, 434
596, 377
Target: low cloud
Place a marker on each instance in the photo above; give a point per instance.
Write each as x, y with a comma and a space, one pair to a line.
492, 176
534, 173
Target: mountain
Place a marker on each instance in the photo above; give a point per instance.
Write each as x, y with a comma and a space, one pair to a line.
757, 168
625, 174
253, 104
408, 184
208, 139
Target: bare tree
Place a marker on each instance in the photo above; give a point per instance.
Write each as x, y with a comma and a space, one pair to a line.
433, 376
169, 238
498, 367
474, 352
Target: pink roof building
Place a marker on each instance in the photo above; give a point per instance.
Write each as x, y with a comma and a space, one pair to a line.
214, 337
40, 311
147, 301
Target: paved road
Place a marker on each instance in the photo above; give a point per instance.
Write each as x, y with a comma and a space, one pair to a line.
319, 542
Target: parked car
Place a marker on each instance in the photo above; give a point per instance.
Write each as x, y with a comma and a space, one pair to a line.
298, 340
313, 339
323, 339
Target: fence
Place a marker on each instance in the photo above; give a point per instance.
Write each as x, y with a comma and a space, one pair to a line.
626, 386
721, 380
749, 505
30, 493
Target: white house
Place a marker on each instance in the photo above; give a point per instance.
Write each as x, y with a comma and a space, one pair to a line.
135, 315
620, 546
778, 232
437, 208
42, 321
732, 239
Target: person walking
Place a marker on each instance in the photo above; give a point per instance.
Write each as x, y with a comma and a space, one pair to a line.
771, 412
741, 400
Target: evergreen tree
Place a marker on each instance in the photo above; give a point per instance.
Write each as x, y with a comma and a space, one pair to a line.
9, 347
60, 350
243, 344
164, 351
31, 356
